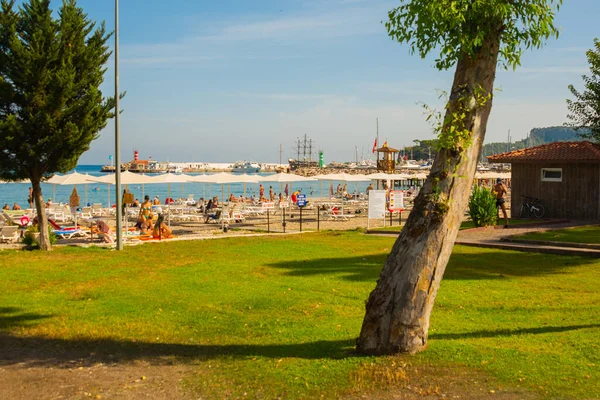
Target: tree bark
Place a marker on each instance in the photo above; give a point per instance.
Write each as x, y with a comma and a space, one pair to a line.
399, 308
41, 214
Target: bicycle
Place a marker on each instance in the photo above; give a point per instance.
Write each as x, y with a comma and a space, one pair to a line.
533, 206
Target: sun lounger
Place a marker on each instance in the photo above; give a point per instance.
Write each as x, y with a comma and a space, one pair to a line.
9, 234
70, 233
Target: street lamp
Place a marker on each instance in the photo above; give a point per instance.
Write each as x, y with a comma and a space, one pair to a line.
117, 139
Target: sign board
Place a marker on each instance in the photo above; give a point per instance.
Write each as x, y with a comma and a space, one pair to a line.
268, 205
376, 204
396, 200
284, 204
301, 200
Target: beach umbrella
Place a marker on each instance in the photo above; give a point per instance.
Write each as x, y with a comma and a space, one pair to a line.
285, 178
229, 178
226, 177
74, 179
169, 178
127, 178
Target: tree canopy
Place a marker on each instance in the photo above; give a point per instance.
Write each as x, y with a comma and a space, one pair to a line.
457, 27
51, 106
476, 36
585, 109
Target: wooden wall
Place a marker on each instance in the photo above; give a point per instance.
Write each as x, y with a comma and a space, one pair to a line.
576, 197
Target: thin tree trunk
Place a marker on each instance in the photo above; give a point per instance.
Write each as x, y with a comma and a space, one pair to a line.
41, 214
399, 308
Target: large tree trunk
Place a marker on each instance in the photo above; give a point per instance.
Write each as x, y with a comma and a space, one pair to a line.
41, 214
399, 308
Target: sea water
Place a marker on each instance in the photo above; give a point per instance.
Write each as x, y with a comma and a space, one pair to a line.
11, 193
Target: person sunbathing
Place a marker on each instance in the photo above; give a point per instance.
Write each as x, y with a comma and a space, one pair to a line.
143, 224
104, 231
161, 230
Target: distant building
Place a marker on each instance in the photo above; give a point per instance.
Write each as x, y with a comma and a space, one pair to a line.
565, 175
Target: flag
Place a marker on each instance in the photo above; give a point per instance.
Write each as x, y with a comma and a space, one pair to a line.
385, 144
375, 145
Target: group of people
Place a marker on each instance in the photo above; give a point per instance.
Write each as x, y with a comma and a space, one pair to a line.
14, 207
145, 221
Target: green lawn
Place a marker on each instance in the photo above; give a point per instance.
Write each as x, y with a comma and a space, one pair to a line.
586, 234
278, 316
464, 225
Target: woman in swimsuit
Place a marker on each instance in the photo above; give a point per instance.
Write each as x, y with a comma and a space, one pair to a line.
161, 230
146, 212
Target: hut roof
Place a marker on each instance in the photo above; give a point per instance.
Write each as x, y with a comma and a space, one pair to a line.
386, 149
583, 151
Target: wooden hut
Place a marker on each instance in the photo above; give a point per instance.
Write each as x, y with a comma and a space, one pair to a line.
386, 158
564, 175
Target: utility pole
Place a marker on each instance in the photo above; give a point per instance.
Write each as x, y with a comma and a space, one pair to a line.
280, 152
117, 137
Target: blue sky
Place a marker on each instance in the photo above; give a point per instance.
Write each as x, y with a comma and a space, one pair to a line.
233, 79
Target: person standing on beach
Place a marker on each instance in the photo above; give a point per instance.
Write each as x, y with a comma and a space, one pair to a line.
30, 198
500, 190
271, 193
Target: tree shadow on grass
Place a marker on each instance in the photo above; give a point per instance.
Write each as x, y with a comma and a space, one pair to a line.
11, 317
468, 264
510, 332
58, 352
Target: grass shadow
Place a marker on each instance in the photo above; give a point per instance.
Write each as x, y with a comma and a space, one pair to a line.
510, 332
63, 353
12, 317
464, 264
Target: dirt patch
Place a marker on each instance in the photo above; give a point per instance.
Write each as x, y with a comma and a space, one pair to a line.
141, 379
99, 381
443, 382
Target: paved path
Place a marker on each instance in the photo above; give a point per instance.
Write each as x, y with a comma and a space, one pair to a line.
498, 238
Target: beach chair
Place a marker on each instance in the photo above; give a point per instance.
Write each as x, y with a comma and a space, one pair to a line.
9, 234
70, 233
213, 217
86, 213
97, 209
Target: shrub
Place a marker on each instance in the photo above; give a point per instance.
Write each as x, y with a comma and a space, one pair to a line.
482, 207
30, 238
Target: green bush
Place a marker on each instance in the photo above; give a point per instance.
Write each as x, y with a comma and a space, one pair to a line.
482, 207
30, 238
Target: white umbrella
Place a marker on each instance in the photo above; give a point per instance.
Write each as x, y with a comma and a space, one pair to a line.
74, 179
344, 177
285, 178
169, 178
127, 178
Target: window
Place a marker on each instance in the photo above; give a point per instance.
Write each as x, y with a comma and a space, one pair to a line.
551, 174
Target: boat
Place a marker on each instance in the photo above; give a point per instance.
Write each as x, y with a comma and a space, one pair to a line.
246, 167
